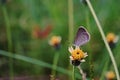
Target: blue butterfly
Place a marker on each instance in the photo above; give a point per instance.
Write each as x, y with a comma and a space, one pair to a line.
82, 37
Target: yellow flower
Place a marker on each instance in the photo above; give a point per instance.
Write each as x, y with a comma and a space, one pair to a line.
111, 37
55, 41
77, 54
110, 75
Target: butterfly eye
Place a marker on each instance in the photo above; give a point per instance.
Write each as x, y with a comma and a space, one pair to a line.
81, 37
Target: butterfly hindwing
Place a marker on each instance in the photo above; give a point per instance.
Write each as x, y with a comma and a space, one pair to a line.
82, 37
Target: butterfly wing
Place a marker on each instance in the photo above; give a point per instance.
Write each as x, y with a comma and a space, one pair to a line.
82, 37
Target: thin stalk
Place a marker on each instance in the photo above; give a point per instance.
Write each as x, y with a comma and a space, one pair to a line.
71, 30
55, 62
9, 39
82, 73
104, 39
73, 73
70, 22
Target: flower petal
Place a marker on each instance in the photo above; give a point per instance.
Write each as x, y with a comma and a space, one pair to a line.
59, 38
85, 55
83, 60
116, 39
50, 43
77, 47
71, 58
70, 49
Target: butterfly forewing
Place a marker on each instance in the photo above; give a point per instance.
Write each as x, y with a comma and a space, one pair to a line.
82, 37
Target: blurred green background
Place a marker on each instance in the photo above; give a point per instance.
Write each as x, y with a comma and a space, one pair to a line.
19, 18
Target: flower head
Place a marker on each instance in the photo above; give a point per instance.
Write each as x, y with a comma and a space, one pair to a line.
112, 39
55, 41
77, 55
110, 75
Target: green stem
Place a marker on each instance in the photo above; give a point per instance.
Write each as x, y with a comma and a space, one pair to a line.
82, 73
9, 40
71, 29
104, 39
73, 73
55, 62
70, 22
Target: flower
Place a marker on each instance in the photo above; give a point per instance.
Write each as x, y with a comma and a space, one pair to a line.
77, 55
55, 41
112, 39
110, 75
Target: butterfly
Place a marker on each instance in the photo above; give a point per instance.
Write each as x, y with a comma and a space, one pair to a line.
42, 33
82, 37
